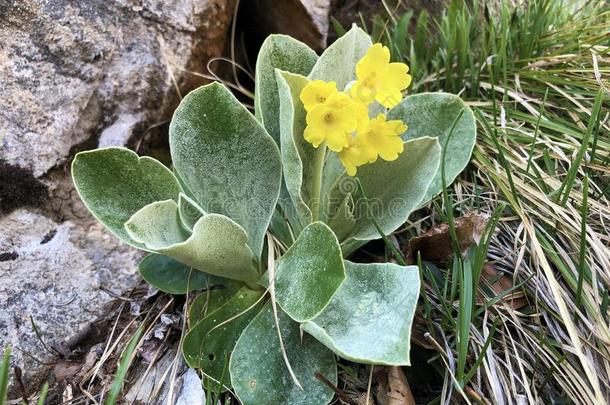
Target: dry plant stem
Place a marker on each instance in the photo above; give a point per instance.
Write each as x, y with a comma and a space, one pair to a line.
271, 270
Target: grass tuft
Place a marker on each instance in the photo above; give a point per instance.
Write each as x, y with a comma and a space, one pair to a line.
536, 75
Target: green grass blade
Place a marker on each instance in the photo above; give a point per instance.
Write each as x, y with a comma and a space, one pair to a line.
43, 394
4, 370
123, 367
566, 186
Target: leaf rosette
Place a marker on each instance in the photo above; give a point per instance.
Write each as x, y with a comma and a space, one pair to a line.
238, 176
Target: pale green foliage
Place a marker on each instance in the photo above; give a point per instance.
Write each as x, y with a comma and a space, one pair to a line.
189, 211
157, 225
433, 114
300, 159
226, 191
338, 62
284, 53
258, 371
391, 199
309, 273
370, 316
230, 163
114, 184
217, 246
209, 342
173, 277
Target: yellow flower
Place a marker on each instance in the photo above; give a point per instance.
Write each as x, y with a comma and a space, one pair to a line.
382, 138
354, 155
378, 79
317, 92
332, 122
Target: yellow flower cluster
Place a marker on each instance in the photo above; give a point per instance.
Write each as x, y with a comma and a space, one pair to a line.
340, 120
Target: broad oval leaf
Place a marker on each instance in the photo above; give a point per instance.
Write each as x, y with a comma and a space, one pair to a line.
173, 277
114, 183
259, 374
370, 317
277, 52
309, 273
216, 246
394, 189
432, 115
208, 344
338, 62
227, 159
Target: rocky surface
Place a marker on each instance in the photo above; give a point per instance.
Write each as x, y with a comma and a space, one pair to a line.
306, 20
70, 69
74, 76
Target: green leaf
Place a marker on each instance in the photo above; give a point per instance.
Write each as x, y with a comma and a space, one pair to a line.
342, 221
114, 183
370, 317
338, 62
188, 211
210, 300
432, 115
309, 273
258, 371
394, 189
280, 224
157, 225
302, 163
277, 52
227, 159
207, 346
216, 246
172, 277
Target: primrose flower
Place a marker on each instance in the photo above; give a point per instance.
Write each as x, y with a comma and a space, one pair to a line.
382, 138
316, 93
378, 79
332, 122
356, 154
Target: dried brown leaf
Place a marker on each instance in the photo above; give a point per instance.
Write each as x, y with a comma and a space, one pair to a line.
435, 245
393, 388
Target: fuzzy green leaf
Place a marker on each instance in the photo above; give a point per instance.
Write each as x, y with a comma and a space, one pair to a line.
309, 273
432, 115
370, 317
189, 211
212, 299
227, 159
338, 62
394, 189
114, 183
342, 221
216, 246
259, 374
207, 346
302, 163
172, 277
284, 53
157, 225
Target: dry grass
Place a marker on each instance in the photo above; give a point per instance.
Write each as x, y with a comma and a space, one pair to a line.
536, 118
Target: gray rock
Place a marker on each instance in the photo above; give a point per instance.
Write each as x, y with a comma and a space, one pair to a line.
192, 392
75, 75
69, 69
55, 273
